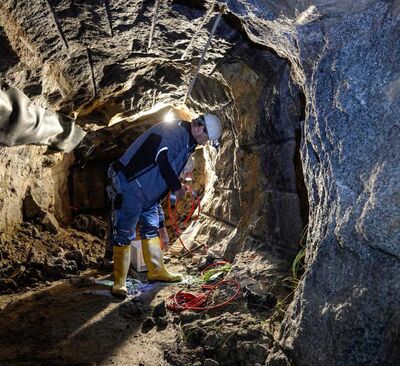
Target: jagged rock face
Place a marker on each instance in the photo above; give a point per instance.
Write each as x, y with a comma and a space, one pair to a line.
333, 65
79, 61
31, 183
343, 311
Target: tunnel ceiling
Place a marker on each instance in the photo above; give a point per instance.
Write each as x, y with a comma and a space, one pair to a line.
309, 96
61, 44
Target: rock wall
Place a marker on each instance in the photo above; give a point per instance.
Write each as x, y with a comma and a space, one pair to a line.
344, 310
353, 254
31, 182
255, 199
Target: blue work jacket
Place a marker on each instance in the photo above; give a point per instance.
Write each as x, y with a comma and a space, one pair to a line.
140, 161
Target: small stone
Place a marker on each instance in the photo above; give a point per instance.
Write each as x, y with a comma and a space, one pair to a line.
58, 252
205, 261
259, 300
197, 363
161, 322
211, 340
147, 325
35, 232
159, 310
196, 259
194, 334
251, 351
36, 273
47, 283
60, 267
75, 255
176, 319
189, 316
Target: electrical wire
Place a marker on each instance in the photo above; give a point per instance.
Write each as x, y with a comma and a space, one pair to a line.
172, 212
182, 300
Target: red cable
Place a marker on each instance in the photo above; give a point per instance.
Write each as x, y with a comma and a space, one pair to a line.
181, 301
190, 301
173, 217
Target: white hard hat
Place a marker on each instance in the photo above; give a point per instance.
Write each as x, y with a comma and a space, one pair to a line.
212, 124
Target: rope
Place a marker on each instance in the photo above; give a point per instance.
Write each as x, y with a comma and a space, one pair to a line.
214, 28
153, 24
182, 300
209, 12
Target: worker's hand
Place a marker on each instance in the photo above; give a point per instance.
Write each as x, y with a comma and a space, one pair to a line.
163, 234
180, 193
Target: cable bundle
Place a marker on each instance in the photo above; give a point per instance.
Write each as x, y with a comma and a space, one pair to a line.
172, 212
182, 300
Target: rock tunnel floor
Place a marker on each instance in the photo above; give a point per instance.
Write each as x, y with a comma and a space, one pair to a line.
75, 320
71, 323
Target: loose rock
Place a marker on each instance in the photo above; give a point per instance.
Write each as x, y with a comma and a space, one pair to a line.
50, 223
147, 325
159, 310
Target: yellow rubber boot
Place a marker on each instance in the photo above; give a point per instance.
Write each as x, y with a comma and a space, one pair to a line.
122, 260
153, 257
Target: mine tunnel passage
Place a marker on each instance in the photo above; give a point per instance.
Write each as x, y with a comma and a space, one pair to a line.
254, 201
254, 193
254, 182
299, 86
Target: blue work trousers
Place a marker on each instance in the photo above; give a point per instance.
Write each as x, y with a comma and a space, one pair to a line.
130, 211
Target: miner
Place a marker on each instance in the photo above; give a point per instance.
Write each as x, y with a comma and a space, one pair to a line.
140, 179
